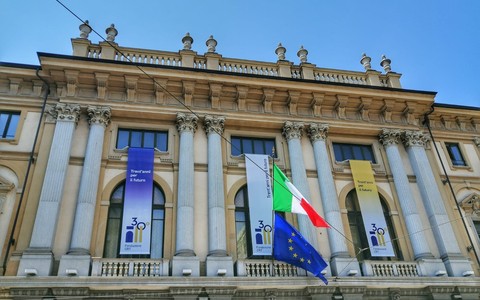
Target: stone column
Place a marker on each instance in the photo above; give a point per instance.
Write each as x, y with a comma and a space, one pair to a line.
454, 261
185, 260
340, 257
390, 139
217, 238
292, 131
78, 258
38, 258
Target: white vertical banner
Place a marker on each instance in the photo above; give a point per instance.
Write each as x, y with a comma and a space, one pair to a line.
260, 203
372, 213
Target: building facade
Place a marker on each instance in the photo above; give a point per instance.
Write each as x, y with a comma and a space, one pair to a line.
68, 124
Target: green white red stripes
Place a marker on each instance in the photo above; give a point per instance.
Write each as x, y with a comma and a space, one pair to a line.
287, 198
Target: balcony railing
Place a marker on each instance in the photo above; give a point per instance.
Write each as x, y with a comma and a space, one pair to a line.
390, 269
216, 62
111, 267
267, 268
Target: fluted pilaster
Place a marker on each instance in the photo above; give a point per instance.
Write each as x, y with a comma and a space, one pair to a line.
67, 116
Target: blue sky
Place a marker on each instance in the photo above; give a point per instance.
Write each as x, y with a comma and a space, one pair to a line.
435, 44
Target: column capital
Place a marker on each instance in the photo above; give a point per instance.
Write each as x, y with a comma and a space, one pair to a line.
317, 131
414, 138
65, 112
186, 122
476, 141
99, 115
292, 130
389, 136
214, 124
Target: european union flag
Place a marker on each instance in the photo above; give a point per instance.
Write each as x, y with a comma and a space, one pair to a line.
291, 247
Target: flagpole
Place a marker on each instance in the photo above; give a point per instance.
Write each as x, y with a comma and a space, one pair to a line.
273, 213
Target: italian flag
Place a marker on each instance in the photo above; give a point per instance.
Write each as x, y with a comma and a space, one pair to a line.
287, 198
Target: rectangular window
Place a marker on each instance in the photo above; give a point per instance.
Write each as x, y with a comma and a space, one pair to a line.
345, 152
142, 139
8, 124
455, 154
246, 145
477, 228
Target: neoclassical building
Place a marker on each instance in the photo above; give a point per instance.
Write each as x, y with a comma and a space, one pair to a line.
69, 124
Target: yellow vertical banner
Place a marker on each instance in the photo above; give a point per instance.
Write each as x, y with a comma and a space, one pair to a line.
373, 219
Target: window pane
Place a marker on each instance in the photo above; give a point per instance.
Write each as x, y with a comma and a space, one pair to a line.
111, 240
347, 152
236, 146
239, 199
455, 154
368, 154
156, 246
241, 231
122, 140
148, 140
337, 150
158, 197
269, 147
247, 146
3, 124
258, 147
357, 152
12, 127
161, 143
136, 139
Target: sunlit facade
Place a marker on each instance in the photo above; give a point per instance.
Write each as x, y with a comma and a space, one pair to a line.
63, 175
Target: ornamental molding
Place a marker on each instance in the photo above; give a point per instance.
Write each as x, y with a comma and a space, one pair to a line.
99, 115
412, 138
317, 132
292, 130
186, 122
214, 124
64, 112
390, 136
471, 204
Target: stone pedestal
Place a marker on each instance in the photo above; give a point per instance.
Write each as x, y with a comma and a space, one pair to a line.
36, 263
431, 267
220, 266
458, 267
74, 265
186, 266
345, 266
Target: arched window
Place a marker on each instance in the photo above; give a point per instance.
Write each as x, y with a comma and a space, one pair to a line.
242, 223
114, 223
357, 228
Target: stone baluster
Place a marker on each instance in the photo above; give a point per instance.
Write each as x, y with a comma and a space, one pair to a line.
340, 257
292, 131
39, 256
455, 263
78, 257
185, 257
